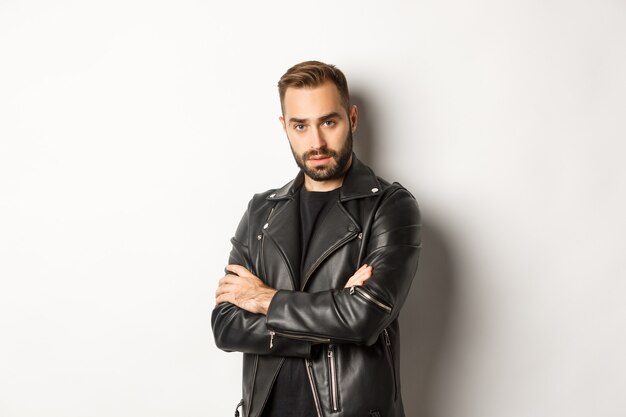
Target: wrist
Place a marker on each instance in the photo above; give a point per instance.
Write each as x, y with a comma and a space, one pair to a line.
266, 299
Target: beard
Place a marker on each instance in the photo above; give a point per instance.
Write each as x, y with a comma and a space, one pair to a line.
331, 171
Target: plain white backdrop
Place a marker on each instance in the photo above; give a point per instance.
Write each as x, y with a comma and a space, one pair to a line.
133, 133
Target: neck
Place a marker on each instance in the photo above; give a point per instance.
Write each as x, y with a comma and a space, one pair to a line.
312, 185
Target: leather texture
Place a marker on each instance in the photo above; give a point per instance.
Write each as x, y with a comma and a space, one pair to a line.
348, 338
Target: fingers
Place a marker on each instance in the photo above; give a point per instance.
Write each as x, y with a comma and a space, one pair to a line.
362, 268
227, 283
228, 279
224, 298
360, 276
361, 272
364, 275
238, 270
226, 287
230, 287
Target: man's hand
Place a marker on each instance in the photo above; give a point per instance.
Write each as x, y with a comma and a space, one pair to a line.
245, 290
360, 276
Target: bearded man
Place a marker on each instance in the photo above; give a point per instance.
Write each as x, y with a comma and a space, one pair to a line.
319, 269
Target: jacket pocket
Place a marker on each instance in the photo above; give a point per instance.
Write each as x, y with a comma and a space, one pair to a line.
316, 398
365, 294
332, 378
388, 347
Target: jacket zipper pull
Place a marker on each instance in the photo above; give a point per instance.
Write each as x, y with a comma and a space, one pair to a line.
333, 378
272, 333
352, 290
387, 339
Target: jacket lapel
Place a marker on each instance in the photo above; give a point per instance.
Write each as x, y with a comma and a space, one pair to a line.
336, 229
283, 228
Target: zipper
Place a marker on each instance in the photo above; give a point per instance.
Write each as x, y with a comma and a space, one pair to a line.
325, 255
316, 398
262, 249
369, 297
262, 252
393, 367
271, 212
332, 370
296, 336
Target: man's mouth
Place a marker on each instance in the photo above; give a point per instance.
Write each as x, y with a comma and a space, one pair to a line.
319, 159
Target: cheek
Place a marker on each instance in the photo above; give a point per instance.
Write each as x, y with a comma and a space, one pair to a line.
300, 144
338, 139
294, 146
298, 150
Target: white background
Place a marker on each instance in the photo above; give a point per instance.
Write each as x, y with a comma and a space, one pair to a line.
133, 133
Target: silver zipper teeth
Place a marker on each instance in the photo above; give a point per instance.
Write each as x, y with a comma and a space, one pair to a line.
262, 250
333, 377
262, 253
316, 398
393, 365
296, 336
367, 296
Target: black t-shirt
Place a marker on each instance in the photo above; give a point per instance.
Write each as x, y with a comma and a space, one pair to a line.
291, 395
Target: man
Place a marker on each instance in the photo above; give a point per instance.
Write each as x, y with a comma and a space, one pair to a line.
319, 269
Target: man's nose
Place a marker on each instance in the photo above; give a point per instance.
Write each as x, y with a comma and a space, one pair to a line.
317, 139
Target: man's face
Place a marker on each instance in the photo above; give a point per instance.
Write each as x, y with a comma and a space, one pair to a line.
319, 130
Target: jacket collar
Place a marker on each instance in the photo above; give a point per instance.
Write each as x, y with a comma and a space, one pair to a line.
359, 182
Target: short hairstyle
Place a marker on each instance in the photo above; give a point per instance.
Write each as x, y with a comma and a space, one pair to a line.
313, 74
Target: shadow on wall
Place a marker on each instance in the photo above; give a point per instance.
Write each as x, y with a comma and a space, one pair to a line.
425, 316
364, 145
424, 322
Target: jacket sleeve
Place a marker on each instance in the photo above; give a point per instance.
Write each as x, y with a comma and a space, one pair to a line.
235, 329
359, 314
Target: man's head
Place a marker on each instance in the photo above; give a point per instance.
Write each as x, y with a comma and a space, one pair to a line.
311, 74
319, 121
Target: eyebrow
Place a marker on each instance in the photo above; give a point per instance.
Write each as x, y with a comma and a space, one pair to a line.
320, 119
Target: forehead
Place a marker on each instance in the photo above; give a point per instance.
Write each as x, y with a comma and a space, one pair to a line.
312, 102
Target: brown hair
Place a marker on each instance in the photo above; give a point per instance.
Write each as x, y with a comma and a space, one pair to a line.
313, 74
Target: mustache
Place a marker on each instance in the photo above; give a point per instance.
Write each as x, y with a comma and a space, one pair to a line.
319, 152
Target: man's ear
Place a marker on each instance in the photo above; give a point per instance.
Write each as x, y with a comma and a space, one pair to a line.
354, 116
281, 119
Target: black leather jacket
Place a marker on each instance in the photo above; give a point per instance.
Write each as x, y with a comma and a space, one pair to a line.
348, 338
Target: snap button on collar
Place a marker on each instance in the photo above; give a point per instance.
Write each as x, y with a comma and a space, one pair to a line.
374, 190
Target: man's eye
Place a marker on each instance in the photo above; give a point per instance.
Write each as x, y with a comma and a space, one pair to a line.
329, 123
299, 127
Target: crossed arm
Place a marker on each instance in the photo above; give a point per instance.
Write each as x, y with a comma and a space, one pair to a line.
245, 290
247, 310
